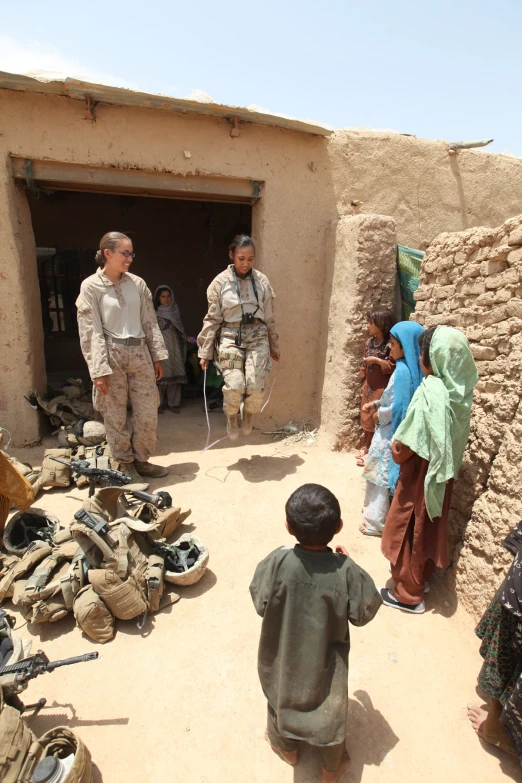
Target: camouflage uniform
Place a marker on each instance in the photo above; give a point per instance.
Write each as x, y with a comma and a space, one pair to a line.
130, 368
244, 367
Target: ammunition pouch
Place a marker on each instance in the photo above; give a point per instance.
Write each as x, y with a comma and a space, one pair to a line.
230, 360
125, 599
54, 474
93, 616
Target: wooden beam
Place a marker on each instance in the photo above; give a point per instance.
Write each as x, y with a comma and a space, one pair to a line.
58, 175
119, 96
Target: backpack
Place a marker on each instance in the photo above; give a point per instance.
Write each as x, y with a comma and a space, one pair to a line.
20, 750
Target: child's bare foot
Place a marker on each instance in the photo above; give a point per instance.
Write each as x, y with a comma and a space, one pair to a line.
332, 777
291, 757
477, 717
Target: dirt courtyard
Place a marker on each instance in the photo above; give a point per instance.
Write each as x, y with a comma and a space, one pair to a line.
180, 701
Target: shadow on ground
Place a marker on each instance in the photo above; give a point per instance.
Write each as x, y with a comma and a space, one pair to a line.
67, 716
369, 739
258, 468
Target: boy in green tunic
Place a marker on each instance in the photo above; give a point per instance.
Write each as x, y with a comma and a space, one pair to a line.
306, 596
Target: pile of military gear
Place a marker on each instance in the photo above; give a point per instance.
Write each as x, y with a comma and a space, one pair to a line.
23, 757
66, 407
57, 470
110, 564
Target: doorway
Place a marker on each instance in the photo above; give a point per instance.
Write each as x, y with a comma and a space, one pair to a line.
183, 244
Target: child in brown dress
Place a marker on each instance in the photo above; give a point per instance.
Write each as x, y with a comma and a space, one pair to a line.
376, 368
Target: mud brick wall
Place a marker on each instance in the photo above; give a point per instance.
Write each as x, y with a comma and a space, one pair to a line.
362, 277
473, 280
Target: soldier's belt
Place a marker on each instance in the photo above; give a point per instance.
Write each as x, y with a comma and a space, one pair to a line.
125, 340
237, 324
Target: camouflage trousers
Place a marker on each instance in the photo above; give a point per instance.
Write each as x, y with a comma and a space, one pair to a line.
132, 378
244, 368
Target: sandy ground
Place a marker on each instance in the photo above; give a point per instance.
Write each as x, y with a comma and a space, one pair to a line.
180, 701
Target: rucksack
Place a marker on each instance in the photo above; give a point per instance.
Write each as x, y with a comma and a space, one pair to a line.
21, 750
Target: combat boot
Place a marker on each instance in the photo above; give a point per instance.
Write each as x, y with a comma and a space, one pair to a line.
129, 469
246, 423
233, 426
150, 470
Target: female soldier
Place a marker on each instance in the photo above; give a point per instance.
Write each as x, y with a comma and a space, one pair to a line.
123, 347
240, 319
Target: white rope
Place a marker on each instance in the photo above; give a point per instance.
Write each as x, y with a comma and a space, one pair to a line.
207, 446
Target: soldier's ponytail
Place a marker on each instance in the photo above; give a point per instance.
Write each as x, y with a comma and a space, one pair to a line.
108, 241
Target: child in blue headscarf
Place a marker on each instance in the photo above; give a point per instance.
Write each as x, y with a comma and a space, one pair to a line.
380, 472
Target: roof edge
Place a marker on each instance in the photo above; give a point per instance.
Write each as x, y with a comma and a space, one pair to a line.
120, 96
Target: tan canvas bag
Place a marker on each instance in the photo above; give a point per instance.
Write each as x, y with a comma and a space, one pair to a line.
93, 616
20, 750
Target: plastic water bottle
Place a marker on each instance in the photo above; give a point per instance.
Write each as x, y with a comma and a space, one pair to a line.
52, 770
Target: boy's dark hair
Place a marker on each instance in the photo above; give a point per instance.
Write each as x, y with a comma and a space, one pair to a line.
425, 344
384, 319
313, 514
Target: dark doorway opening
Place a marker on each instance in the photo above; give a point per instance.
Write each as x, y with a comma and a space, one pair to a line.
183, 244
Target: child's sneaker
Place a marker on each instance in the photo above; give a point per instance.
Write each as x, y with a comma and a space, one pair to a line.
389, 599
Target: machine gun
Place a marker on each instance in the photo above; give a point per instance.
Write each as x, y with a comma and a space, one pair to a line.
106, 477
30, 668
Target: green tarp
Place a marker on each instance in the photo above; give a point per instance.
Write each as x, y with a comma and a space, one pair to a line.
408, 267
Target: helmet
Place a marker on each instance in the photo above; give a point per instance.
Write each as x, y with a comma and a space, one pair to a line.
24, 527
93, 433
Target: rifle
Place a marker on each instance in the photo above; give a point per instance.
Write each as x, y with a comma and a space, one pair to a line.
30, 668
107, 477
39, 663
101, 476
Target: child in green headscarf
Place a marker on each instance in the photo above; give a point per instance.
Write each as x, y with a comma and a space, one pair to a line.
429, 447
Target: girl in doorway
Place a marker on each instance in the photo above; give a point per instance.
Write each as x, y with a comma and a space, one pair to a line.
380, 472
428, 446
375, 371
123, 347
169, 321
240, 320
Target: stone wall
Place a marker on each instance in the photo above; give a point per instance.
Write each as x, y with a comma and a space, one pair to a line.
362, 277
473, 280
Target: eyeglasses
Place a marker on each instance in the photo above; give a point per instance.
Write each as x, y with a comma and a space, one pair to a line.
125, 253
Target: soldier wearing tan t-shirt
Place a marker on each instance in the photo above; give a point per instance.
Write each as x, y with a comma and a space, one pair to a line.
240, 326
123, 347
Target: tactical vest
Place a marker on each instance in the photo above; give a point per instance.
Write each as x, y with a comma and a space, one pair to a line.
54, 474
129, 581
107, 502
45, 580
20, 750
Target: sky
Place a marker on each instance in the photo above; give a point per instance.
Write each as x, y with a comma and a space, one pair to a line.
440, 69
